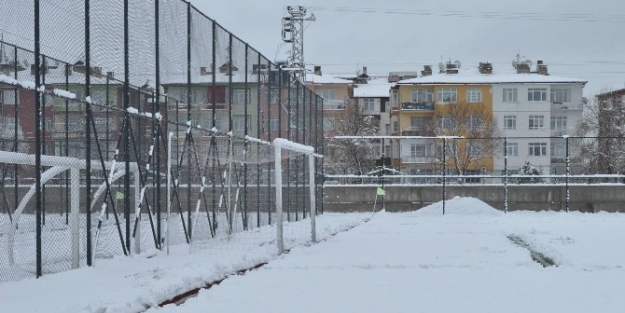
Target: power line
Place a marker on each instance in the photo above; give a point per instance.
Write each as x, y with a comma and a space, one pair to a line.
532, 16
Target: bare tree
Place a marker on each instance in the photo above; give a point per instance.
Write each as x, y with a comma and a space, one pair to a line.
604, 118
476, 125
351, 155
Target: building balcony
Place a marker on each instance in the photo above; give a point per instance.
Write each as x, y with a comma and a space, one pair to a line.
559, 132
557, 106
333, 105
418, 106
418, 159
416, 132
195, 106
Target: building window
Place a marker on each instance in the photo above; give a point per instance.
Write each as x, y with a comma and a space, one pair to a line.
475, 122
387, 129
472, 180
422, 96
509, 122
510, 95
537, 148
377, 151
274, 96
100, 124
238, 122
558, 149
447, 95
420, 150
238, 96
536, 122
8, 96
475, 148
387, 151
474, 95
326, 94
395, 126
512, 149
369, 104
274, 124
74, 123
98, 97
446, 122
418, 122
558, 123
537, 94
328, 122
560, 95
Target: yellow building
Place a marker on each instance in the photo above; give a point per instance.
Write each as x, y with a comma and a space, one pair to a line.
430, 106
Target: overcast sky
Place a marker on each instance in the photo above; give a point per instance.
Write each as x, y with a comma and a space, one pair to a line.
575, 38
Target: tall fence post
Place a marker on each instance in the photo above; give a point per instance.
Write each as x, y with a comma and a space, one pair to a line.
37, 140
88, 126
444, 172
505, 175
156, 107
568, 173
126, 129
189, 223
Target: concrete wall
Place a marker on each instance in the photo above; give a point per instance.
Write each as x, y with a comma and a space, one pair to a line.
520, 197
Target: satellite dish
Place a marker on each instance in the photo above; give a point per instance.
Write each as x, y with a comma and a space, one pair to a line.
458, 63
514, 63
441, 66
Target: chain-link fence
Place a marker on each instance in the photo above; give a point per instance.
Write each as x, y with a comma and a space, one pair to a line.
536, 173
93, 92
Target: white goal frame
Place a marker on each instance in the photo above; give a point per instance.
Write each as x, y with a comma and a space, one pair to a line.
60, 164
280, 144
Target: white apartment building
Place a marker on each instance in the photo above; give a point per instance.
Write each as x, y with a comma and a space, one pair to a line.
533, 107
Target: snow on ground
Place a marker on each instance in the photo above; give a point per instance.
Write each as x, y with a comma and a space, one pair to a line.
133, 284
426, 262
420, 261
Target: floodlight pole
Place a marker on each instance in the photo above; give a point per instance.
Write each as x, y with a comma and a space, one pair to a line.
293, 33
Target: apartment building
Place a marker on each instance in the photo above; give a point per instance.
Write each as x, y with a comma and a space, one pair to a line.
336, 93
527, 106
372, 97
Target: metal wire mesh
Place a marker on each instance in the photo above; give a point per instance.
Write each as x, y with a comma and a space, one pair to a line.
147, 70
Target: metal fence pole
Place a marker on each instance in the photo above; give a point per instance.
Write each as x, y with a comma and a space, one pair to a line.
505, 175
126, 128
189, 223
444, 172
568, 173
88, 127
37, 140
156, 106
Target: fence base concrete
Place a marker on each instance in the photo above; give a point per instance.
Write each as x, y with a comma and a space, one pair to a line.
583, 198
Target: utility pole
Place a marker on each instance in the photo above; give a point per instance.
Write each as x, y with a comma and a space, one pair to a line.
293, 33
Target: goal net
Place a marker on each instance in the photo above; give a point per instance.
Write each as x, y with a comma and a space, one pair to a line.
242, 193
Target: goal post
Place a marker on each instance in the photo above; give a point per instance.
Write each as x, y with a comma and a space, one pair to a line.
279, 145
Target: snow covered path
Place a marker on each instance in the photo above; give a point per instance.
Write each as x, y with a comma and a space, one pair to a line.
425, 262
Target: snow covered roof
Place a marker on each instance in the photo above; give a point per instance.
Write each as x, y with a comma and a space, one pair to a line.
320, 79
197, 78
472, 76
375, 88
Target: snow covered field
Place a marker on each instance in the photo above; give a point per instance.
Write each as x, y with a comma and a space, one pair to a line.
473, 259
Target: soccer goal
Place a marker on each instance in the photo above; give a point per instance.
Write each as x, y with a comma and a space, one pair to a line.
245, 192
282, 146
63, 238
